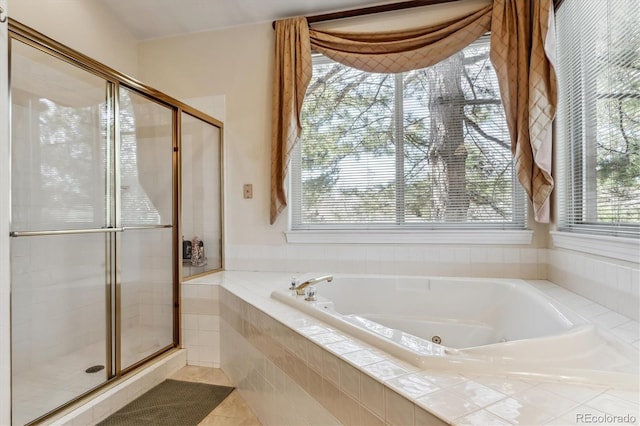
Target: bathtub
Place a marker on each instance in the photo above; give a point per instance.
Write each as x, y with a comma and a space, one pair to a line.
474, 325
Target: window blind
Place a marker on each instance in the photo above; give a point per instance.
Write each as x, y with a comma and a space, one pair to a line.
427, 148
598, 121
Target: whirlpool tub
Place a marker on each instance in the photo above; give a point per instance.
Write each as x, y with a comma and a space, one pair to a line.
475, 325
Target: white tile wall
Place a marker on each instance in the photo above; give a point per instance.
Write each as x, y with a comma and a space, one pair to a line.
266, 388
469, 261
58, 293
612, 284
58, 297
201, 323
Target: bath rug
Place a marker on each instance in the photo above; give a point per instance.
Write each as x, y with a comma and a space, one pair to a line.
172, 402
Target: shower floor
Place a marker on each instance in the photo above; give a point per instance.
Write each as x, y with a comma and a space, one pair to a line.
49, 385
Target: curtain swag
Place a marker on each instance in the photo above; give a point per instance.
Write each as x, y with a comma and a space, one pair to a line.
522, 50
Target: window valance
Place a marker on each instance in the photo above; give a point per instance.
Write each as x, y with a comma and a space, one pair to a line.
522, 35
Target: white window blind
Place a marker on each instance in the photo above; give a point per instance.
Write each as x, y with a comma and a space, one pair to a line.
423, 149
598, 122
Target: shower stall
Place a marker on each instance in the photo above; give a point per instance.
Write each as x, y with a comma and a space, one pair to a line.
95, 223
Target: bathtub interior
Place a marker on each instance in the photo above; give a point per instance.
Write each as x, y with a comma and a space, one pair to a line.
457, 313
504, 326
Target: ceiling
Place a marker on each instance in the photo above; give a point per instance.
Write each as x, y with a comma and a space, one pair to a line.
148, 19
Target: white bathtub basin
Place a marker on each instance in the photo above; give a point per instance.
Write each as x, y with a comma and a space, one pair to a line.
481, 325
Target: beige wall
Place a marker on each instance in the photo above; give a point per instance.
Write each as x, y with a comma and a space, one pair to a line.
83, 25
236, 63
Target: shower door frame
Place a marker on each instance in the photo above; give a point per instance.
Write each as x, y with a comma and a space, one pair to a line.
115, 80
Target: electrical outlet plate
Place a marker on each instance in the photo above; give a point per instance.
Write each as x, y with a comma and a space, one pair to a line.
247, 190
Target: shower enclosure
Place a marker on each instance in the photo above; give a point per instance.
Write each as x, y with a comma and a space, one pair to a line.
95, 223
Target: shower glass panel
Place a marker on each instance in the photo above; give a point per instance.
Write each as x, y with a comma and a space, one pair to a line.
58, 320
146, 293
59, 132
201, 194
59, 282
95, 243
146, 245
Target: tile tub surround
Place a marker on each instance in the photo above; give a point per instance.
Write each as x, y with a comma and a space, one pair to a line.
401, 259
354, 381
200, 323
275, 397
615, 284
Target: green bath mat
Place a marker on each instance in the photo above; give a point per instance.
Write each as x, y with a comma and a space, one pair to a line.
172, 402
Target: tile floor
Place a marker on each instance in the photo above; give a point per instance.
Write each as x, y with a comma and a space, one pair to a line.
233, 411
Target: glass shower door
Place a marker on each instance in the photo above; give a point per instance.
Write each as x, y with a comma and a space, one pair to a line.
145, 286
92, 230
60, 274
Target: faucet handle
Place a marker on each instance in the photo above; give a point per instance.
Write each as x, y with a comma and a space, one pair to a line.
294, 283
310, 293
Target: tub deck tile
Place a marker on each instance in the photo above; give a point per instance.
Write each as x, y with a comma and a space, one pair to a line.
437, 396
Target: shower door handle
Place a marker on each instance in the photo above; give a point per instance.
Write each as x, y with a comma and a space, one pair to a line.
134, 228
64, 232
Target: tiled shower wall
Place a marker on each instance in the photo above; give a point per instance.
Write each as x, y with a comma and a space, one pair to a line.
56, 304
58, 293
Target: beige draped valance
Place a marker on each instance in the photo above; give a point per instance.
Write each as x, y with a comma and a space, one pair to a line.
520, 31
399, 51
291, 76
522, 50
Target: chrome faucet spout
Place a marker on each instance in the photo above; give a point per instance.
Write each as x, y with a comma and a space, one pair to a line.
300, 288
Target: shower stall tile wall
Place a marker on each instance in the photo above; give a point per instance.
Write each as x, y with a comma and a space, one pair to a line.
56, 307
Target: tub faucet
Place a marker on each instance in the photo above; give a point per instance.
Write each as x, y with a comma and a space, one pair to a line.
300, 287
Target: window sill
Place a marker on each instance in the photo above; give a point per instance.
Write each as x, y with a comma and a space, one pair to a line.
476, 237
602, 245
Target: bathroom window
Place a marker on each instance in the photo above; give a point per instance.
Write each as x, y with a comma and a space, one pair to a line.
423, 149
598, 121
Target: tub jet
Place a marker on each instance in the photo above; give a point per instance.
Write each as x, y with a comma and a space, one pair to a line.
94, 369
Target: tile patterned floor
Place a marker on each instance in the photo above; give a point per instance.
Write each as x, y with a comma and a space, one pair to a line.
233, 411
